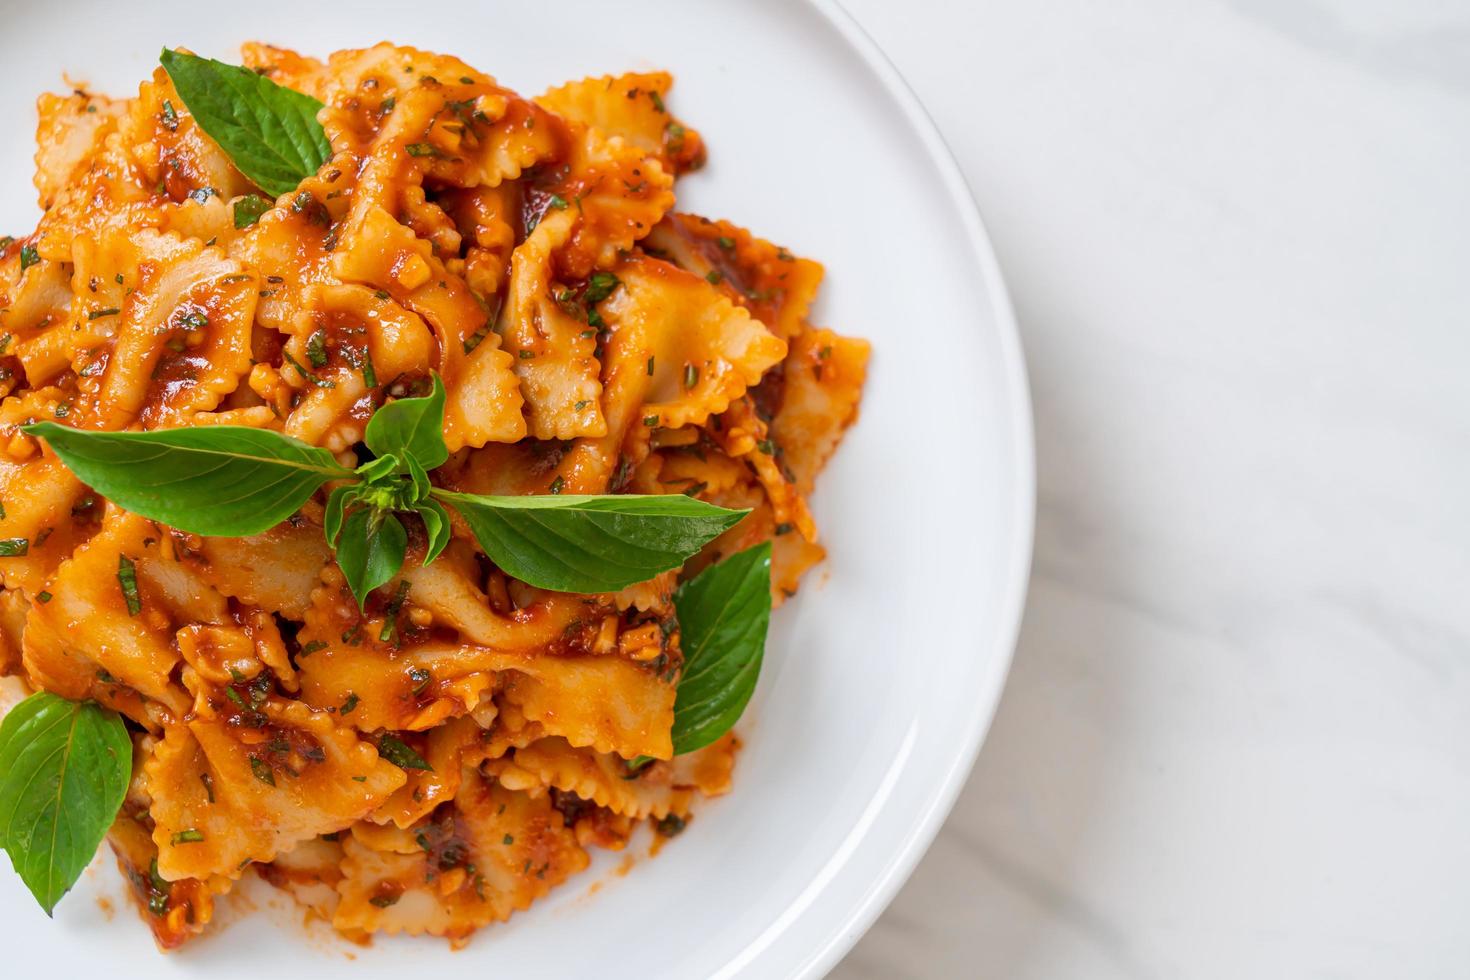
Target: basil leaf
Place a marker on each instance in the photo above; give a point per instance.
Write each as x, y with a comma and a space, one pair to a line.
218, 480
64, 770
370, 550
337, 503
590, 544
723, 614
419, 479
270, 132
377, 469
436, 527
411, 427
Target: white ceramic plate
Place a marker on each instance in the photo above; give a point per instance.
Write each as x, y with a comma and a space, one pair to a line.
882, 675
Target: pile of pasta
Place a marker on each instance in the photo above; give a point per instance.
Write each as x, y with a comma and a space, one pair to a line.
253, 686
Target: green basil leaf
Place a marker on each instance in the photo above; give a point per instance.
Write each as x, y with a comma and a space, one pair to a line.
375, 469
337, 502
580, 543
416, 473
411, 427
270, 132
64, 770
218, 480
723, 614
370, 550
436, 527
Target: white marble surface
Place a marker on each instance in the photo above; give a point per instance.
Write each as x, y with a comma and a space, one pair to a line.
1236, 741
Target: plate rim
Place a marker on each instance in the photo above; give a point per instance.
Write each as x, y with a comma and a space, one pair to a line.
881, 891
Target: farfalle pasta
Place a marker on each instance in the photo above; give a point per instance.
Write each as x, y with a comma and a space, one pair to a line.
430, 754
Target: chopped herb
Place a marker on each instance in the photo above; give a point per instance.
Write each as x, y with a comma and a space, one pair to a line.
387, 105
262, 771
558, 202
393, 749
783, 529
473, 340
691, 375
353, 636
316, 348
369, 376
312, 647
726, 242
98, 314
556, 485
576, 408
305, 203
28, 257
599, 287
526, 355
670, 826
588, 334
14, 547
6, 241
194, 320
5, 342
208, 782
234, 696
695, 489
650, 367
62, 411
766, 446
359, 779
202, 194
384, 901
157, 889
349, 703
43, 597
249, 209
390, 616
650, 420
305, 374
127, 577
186, 836
422, 150
381, 294
169, 116
420, 678
657, 100
507, 840
713, 276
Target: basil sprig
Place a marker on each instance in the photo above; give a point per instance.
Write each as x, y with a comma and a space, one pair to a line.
64, 770
269, 131
233, 481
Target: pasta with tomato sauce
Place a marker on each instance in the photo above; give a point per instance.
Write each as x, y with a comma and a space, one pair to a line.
441, 756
